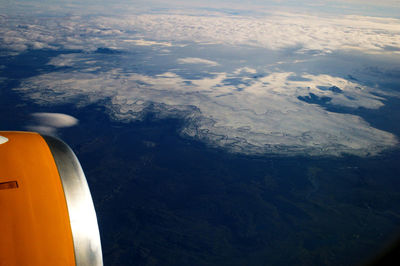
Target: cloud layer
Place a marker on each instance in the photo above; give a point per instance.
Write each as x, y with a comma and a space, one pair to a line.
195, 60
270, 114
273, 31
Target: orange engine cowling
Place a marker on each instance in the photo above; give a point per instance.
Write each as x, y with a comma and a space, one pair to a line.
47, 215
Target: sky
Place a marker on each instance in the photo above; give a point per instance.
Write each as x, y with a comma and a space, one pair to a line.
367, 7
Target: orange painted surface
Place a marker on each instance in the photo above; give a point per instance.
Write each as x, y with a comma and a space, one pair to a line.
34, 221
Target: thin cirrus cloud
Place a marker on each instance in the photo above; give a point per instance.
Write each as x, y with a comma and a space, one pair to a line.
195, 60
142, 42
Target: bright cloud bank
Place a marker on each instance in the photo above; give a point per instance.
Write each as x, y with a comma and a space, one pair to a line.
268, 116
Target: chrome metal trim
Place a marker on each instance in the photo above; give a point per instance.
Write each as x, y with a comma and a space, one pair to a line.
85, 230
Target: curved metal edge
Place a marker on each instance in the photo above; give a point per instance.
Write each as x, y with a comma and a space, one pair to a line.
85, 230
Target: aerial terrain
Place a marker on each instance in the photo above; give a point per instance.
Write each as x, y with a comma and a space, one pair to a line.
218, 132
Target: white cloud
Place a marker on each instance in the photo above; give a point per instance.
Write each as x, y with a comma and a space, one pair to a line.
264, 117
275, 31
148, 43
66, 60
195, 60
49, 123
245, 70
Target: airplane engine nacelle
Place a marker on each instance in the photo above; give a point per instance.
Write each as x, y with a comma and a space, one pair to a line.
47, 216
